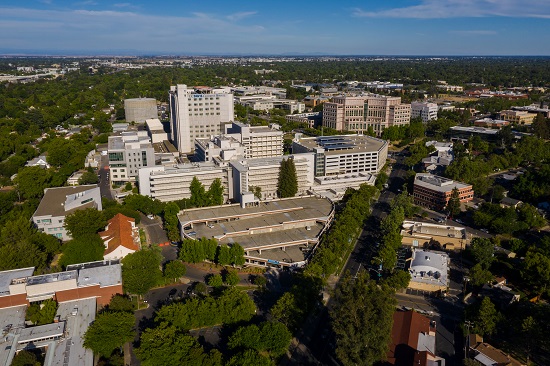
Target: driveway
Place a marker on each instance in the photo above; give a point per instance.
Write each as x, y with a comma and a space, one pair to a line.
154, 230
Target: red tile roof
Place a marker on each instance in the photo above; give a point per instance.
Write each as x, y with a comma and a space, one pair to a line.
407, 325
119, 232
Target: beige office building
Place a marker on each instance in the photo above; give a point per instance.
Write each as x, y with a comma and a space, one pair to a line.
357, 114
517, 117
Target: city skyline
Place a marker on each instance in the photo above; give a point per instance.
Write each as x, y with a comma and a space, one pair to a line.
404, 27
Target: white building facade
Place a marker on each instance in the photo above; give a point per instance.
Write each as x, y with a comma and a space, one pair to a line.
198, 113
424, 110
128, 153
60, 202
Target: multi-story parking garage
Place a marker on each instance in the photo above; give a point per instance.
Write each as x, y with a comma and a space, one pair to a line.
276, 233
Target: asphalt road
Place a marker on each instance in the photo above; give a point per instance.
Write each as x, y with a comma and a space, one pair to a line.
104, 182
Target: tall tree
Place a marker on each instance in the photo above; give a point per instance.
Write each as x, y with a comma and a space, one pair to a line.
141, 271
453, 206
485, 317
287, 185
363, 328
171, 222
236, 253
109, 331
215, 193
198, 193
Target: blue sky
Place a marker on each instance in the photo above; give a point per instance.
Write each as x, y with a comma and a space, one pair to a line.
382, 27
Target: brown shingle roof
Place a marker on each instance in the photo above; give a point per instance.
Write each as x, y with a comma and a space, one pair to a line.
119, 232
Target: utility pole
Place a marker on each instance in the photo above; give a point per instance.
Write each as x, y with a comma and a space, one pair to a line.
468, 324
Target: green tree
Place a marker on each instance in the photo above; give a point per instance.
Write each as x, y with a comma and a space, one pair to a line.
223, 256
128, 186
82, 223
141, 271
271, 337
88, 178
479, 275
25, 358
109, 331
231, 277
536, 271
215, 193
121, 303
198, 193
483, 251
171, 222
81, 250
363, 328
287, 185
174, 270
31, 181
249, 358
43, 313
257, 191
215, 280
485, 317
399, 280
232, 306
165, 345
260, 281
453, 206
236, 255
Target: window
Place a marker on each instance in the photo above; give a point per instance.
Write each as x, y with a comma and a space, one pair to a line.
415, 243
118, 156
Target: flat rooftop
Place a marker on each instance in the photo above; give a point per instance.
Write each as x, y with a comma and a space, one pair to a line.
104, 273
301, 207
343, 144
422, 228
6, 277
11, 320
70, 350
41, 332
294, 223
54, 199
437, 183
52, 277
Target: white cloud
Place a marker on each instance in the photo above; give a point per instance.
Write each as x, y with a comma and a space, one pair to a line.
474, 32
238, 16
438, 9
87, 2
115, 29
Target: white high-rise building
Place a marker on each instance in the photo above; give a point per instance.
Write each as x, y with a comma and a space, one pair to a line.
424, 110
198, 112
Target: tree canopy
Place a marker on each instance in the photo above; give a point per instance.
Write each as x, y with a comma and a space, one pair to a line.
363, 328
109, 331
141, 271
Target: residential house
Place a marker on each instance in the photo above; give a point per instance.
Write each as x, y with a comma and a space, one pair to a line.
487, 355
